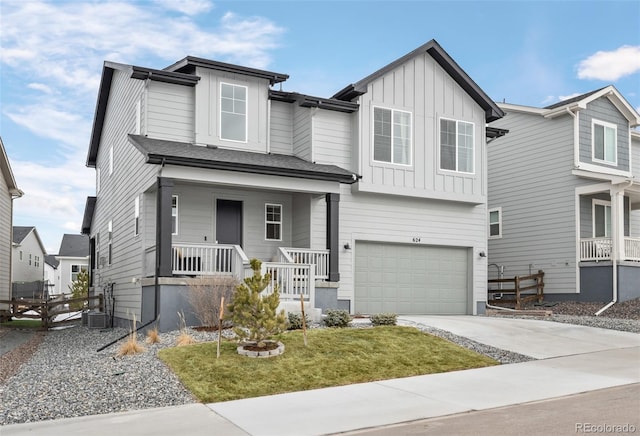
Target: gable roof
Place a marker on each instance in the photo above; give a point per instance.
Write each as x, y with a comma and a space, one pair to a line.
5, 171
581, 102
20, 233
50, 259
492, 111
157, 151
74, 246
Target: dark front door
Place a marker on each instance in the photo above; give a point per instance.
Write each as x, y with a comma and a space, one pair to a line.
229, 222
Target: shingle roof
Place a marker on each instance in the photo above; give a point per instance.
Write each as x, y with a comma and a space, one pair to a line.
21, 232
573, 99
74, 246
50, 259
159, 151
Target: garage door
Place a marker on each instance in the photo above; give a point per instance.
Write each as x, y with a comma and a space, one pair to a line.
410, 279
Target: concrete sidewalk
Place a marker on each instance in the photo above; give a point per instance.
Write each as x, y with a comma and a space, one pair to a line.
574, 360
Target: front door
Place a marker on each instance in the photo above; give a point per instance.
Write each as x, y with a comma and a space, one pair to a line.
229, 222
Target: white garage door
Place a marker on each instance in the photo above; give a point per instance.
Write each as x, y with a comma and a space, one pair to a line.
410, 279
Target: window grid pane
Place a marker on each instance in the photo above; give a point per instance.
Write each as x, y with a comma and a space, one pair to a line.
273, 222
233, 112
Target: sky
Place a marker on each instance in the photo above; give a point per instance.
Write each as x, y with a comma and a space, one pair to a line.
533, 53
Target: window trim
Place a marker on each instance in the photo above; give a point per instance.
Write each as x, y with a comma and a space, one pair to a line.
246, 113
598, 202
176, 214
373, 136
136, 216
267, 222
473, 148
595, 122
499, 223
109, 242
97, 180
80, 268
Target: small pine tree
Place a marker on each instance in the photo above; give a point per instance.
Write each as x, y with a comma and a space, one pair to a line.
79, 289
255, 312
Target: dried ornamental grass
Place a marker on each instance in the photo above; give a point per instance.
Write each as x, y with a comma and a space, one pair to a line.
131, 346
153, 336
184, 338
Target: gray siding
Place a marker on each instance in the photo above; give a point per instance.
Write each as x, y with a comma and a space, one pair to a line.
169, 112
423, 88
5, 240
115, 201
603, 110
586, 214
301, 229
530, 178
25, 270
302, 132
207, 110
333, 138
281, 127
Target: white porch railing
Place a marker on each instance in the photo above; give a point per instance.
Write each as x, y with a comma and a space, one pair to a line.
595, 249
306, 256
206, 259
293, 280
632, 249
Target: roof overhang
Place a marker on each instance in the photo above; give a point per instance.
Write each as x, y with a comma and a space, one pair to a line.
5, 170
317, 102
87, 219
188, 64
492, 111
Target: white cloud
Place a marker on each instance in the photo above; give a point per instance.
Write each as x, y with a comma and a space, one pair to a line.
611, 65
40, 87
188, 7
567, 97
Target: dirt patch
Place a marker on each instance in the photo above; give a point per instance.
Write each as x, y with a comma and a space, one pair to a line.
11, 361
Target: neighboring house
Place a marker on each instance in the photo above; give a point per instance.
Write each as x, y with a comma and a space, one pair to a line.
564, 196
27, 255
73, 257
51, 274
373, 200
8, 192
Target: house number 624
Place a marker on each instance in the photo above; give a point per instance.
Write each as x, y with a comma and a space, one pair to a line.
416, 239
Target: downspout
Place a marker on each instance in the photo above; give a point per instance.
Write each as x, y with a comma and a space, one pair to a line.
614, 254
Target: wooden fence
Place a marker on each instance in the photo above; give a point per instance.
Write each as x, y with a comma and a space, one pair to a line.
519, 287
47, 310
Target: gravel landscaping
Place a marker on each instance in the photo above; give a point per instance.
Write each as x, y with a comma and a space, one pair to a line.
60, 375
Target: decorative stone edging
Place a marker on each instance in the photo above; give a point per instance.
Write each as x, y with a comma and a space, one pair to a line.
269, 353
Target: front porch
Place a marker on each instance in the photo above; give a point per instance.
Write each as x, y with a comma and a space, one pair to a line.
599, 249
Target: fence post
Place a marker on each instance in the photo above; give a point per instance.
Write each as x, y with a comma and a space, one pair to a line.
44, 313
540, 283
516, 282
101, 302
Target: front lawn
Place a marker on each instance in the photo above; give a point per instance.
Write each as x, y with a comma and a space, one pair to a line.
334, 357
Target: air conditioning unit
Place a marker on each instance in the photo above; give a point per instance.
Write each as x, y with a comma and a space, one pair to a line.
85, 318
97, 320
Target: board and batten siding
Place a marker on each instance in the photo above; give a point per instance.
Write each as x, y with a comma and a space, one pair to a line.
281, 139
5, 240
169, 112
530, 178
420, 86
207, 110
603, 110
115, 201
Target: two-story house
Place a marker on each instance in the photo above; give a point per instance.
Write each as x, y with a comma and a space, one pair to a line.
8, 192
564, 197
372, 200
72, 257
27, 262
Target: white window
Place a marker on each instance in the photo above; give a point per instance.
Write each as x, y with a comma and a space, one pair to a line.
138, 118
20, 255
391, 136
37, 261
97, 180
601, 218
604, 142
495, 223
273, 222
75, 270
111, 160
136, 216
109, 241
233, 112
98, 250
29, 259
174, 214
456, 145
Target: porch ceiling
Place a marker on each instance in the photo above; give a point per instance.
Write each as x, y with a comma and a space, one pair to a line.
157, 151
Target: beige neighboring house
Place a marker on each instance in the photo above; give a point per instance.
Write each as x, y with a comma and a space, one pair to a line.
73, 257
8, 192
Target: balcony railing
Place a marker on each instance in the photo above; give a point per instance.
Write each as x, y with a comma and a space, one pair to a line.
596, 249
201, 259
306, 256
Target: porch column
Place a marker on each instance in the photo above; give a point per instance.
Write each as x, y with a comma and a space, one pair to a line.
163, 227
333, 231
617, 223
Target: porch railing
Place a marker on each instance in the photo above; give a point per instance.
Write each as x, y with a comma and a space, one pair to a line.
293, 280
600, 249
306, 256
202, 259
632, 249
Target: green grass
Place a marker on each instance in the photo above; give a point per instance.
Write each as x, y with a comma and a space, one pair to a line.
23, 323
334, 357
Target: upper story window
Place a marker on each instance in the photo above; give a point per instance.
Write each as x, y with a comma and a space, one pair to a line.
97, 180
456, 145
495, 223
174, 214
604, 142
233, 112
136, 216
273, 222
109, 242
391, 136
75, 270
